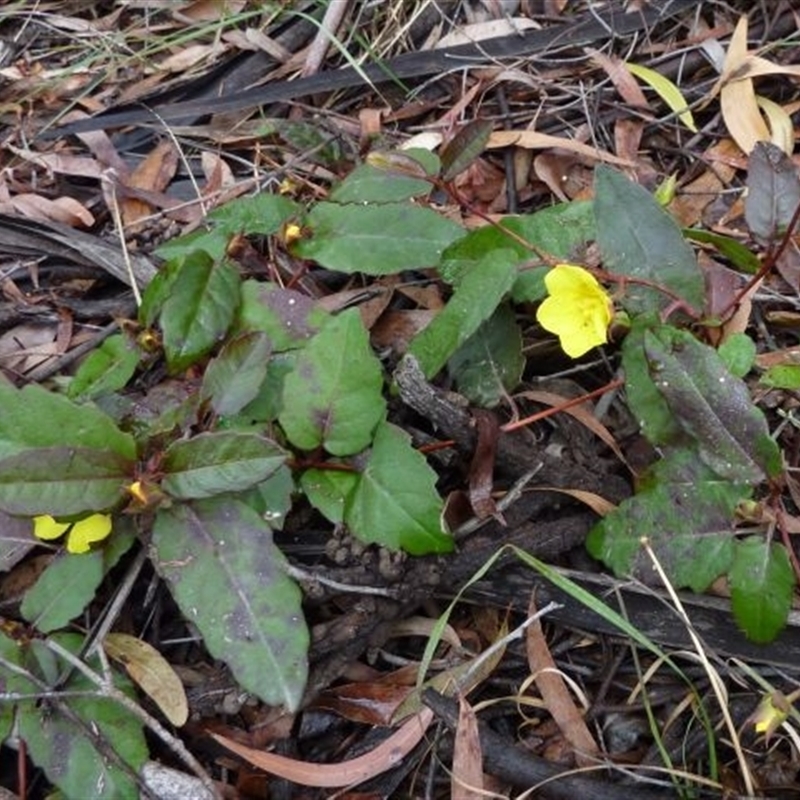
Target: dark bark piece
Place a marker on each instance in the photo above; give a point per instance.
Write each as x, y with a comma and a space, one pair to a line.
523, 769
647, 610
589, 28
34, 238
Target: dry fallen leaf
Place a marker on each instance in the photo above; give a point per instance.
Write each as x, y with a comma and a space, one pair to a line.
534, 140
152, 673
738, 99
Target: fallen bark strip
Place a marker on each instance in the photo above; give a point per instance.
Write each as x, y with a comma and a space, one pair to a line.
648, 610
523, 769
586, 30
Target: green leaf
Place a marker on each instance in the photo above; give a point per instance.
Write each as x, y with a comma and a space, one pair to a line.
465, 147
560, 231
782, 376
712, 406
319, 144
267, 404
12, 682
333, 398
288, 318
200, 308
62, 481
327, 490
106, 369
740, 256
233, 378
687, 515
395, 502
69, 583
479, 292
488, 366
762, 586
376, 239
368, 184
272, 498
656, 420
638, 239
33, 417
102, 746
158, 290
227, 577
212, 463
261, 215
738, 353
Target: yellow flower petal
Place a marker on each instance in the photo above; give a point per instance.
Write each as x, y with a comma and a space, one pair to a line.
47, 528
86, 531
578, 309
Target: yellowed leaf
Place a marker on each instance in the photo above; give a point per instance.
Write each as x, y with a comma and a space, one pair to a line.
780, 124
152, 673
741, 107
742, 116
533, 140
757, 67
667, 91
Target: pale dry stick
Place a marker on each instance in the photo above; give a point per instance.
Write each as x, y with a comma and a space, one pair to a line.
716, 682
517, 633
108, 690
334, 15
109, 178
305, 576
184, 160
120, 598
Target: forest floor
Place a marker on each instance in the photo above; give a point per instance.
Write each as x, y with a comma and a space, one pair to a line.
224, 227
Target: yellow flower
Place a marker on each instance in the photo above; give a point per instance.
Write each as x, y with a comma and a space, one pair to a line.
578, 309
772, 712
81, 533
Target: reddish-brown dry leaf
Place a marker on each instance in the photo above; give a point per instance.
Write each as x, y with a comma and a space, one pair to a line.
217, 172
397, 328
565, 174
65, 210
466, 781
26, 347
598, 504
696, 196
628, 87
386, 755
628, 138
788, 264
481, 469
583, 413
371, 703
208, 10
60, 163
557, 698
153, 174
